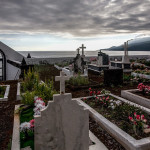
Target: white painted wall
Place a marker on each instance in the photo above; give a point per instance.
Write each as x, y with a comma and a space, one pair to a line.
11, 72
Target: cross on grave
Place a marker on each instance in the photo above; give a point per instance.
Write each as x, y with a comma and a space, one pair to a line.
62, 78
78, 50
82, 47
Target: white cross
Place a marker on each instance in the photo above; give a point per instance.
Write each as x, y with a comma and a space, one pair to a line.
62, 78
78, 50
82, 47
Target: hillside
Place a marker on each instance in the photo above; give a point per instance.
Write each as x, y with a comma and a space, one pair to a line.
139, 44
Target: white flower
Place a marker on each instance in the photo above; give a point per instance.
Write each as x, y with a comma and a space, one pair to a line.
25, 126
113, 107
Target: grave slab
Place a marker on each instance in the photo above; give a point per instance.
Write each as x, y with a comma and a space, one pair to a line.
135, 98
122, 137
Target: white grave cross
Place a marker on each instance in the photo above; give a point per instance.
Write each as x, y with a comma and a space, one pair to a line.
62, 78
82, 47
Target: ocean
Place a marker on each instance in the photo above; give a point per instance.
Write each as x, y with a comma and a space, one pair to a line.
58, 54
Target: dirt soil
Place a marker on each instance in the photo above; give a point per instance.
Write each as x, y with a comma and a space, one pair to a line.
7, 115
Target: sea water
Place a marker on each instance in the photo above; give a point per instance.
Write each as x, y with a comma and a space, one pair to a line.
57, 54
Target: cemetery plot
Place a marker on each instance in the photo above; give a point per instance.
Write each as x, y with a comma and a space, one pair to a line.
142, 73
80, 82
140, 96
127, 122
4, 92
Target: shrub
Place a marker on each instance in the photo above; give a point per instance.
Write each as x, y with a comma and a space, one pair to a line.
2, 91
30, 79
79, 80
45, 90
28, 98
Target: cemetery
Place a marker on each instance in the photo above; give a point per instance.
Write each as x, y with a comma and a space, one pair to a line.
81, 105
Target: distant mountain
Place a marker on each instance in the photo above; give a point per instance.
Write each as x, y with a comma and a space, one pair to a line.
139, 44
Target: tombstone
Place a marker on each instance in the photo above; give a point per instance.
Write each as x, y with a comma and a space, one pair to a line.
79, 64
125, 58
113, 76
63, 124
83, 47
103, 59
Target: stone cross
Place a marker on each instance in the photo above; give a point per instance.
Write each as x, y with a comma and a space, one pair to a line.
62, 78
78, 50
82, 47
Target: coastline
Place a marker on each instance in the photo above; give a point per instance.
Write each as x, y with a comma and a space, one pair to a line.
36, 61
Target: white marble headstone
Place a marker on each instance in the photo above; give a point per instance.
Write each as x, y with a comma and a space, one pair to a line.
63, 125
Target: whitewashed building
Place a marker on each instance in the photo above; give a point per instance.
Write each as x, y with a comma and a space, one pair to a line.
10, 63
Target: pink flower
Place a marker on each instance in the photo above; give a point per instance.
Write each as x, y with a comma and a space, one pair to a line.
32, 123
84, 98
91, 92
90, 89
142, 117
131, 119
99, 92
135, 114
138, 117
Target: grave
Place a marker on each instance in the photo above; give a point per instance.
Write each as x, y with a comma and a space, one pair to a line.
79, 63
63, 124
101, 64
113, 76
125, 63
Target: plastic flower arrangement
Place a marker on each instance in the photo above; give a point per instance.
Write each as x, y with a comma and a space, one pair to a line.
138, 122
144, 88
25, 126
94, 93
39, 105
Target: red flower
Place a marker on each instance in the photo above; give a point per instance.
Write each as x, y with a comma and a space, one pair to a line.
91, 92
90, 89
142, 117
131, 119
135, 114
99, 92
138, 117
32, 123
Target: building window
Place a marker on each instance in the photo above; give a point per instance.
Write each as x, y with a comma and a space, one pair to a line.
2, 66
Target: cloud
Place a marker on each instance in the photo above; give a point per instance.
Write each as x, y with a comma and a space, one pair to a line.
79, 18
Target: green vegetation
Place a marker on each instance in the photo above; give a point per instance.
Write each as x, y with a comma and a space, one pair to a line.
78, 81
25, 116
32, 87
2, 91
31, 78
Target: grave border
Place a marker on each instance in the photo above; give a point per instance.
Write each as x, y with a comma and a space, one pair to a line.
121, 136
135, 98
5, 98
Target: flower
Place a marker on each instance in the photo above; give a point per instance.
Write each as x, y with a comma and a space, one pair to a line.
131, 119
90, 89
32, 123
138, 117
24, 126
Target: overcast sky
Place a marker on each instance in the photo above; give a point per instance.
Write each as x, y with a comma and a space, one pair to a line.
66, 24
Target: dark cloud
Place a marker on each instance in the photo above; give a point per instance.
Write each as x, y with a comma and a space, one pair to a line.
76, 17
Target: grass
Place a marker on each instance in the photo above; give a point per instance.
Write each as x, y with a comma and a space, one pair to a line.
26, 116
2, 91
78, 81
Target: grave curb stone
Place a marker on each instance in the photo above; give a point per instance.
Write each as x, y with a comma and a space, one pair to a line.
135, 98
5, 98
122, 137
